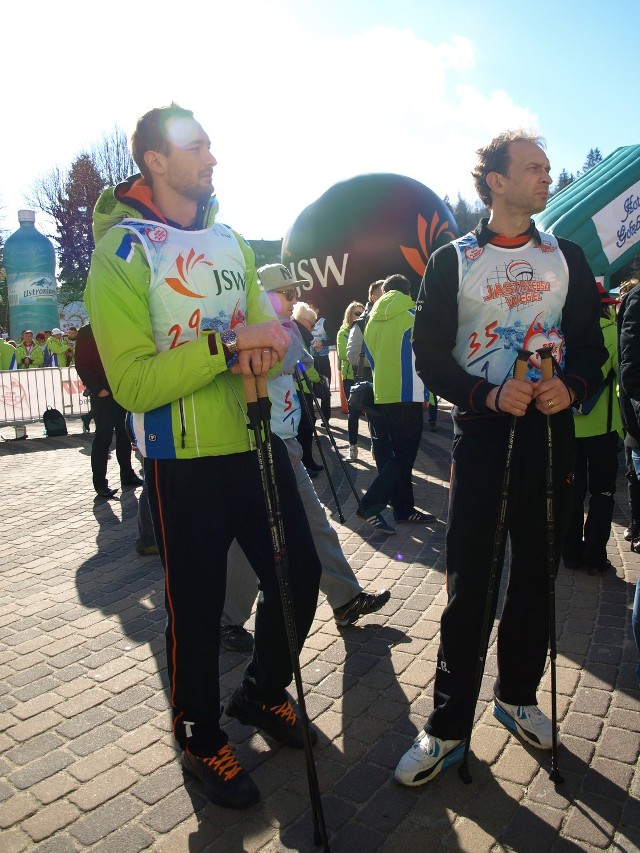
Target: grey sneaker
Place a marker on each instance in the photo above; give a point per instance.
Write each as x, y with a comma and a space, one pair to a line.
363, 603
528, 721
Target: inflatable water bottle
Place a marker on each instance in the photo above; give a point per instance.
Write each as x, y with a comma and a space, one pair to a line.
30, 263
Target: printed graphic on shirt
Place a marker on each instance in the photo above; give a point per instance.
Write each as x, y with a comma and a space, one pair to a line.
509, 299
188, 293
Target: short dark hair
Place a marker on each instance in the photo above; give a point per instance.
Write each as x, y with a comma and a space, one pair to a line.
374, 287
397, 282
151, 134
494, 157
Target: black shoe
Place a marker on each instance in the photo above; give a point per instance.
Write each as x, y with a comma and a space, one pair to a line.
131, 480
147, 550
223, 779
312, 474
573, 564
415, 517
313, 466
105, 492
376, 520
85, 423
600, 569
279, 721
235, 638
363, 603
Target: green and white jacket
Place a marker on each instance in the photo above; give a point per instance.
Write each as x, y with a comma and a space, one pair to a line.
154, 295
388, 346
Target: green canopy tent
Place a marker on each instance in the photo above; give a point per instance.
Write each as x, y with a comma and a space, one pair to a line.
601, 212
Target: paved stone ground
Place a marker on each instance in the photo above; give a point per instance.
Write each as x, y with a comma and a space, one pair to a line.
87, 760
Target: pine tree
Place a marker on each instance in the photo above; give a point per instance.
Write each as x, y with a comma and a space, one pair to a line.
68, 199
564, 179
75, 237
593, 158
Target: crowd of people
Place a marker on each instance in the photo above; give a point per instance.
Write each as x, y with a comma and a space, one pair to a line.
52, 348
181, 358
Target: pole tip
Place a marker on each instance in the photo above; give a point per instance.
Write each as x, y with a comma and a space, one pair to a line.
463, 773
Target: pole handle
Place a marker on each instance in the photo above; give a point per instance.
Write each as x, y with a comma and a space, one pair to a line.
520, 369
250, 388
261, 386
546, 362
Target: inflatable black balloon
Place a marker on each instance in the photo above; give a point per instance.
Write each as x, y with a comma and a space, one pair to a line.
364, 229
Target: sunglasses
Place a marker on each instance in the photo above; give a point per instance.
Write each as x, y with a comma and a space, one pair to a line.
357, 313
290, 295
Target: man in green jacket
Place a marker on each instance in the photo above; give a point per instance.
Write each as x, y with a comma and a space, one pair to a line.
399, 396
28, 353
178, 317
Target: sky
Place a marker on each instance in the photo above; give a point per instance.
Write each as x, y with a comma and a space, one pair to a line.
297, 95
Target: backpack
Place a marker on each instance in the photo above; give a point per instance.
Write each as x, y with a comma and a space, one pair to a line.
54, 422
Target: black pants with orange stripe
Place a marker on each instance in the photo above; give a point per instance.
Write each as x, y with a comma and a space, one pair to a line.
198, 507
475, 497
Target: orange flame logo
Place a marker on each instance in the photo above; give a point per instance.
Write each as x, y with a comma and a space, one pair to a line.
183, 271
418, 260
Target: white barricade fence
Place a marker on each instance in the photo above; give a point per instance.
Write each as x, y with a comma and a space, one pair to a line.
26, 394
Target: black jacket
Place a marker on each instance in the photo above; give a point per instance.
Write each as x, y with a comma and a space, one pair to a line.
629, 345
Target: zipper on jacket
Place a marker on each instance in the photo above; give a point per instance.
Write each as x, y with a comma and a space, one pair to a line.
183, 427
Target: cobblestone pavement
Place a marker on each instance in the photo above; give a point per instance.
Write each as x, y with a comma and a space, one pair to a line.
87, 760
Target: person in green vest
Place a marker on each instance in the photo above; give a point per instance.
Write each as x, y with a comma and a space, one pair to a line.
598, 428
28, 353
7, 356
58, 346
353, 312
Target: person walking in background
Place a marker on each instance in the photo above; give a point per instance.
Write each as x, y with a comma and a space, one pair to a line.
598, 430
305, 318
432, 412
629, 325
399, 396
338, 582
466, 339
179, 319
631, 433
380, 442
109, 417
355, 343
352, 313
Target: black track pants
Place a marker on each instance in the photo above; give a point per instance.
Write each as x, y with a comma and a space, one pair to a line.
596, 471
476, 487
198, 507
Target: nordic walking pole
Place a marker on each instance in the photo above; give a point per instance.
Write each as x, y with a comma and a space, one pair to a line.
309, 413
300, 373
546, 371
497, 559
258, 415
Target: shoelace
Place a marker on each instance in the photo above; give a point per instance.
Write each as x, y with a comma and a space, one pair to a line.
531, 711
285, 711
224, 763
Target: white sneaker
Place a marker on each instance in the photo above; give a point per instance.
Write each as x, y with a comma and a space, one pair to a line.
528, 721
426, 758
352, 455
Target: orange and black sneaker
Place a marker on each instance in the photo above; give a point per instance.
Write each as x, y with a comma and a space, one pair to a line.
280, 721
223, 779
